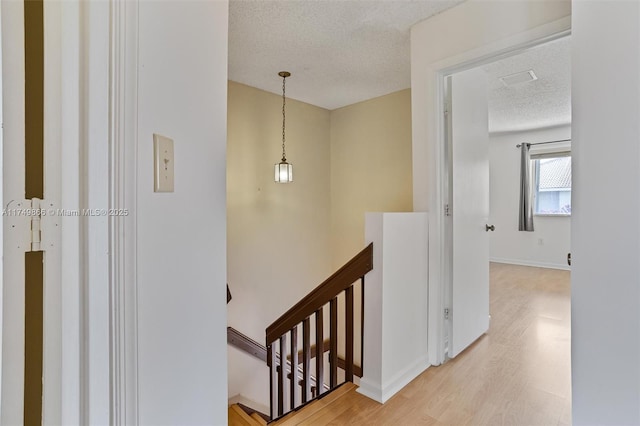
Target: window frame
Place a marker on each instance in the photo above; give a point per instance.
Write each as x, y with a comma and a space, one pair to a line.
535, 159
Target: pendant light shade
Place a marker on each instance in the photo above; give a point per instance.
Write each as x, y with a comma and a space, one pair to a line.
283, 170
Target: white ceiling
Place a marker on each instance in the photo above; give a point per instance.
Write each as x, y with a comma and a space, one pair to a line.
545, 102
345, 51
339, 52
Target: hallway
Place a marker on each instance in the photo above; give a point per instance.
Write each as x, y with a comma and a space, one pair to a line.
517, 374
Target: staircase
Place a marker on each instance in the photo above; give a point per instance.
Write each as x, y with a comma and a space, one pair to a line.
295, 394
288, 393
318, 412
239, 417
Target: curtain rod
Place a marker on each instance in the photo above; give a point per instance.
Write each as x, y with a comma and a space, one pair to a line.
542, 143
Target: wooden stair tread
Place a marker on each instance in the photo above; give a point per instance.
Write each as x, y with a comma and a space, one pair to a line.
335, 409
317, 406
238, 417
259, 419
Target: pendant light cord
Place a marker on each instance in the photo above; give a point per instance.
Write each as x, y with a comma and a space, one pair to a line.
284, 157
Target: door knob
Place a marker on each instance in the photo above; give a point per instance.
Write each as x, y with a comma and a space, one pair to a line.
490, 228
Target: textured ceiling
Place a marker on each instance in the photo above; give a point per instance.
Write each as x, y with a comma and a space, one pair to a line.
345, 51
544, 102
339, 51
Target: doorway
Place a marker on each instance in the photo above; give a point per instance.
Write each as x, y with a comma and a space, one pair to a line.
520, 98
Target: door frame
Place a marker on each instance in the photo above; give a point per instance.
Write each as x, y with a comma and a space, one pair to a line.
90, 100
440, 244
123, 128
107, 49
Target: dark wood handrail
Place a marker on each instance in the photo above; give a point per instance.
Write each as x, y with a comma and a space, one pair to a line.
246, 344
321, 295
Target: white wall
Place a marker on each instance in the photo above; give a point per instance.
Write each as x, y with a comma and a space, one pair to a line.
395, 329
605, 289
549, 244
181, 239
481, 29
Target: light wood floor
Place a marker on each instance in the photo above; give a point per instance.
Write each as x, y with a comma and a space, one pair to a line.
517, 374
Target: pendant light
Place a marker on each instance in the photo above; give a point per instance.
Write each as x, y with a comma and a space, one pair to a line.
283, 170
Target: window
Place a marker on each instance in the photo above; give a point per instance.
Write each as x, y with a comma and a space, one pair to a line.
552, 185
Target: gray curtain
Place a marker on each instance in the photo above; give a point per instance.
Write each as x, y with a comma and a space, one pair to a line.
525, 220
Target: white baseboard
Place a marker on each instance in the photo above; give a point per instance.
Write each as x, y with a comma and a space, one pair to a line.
531, 263
370, 390
239, 399
382, 392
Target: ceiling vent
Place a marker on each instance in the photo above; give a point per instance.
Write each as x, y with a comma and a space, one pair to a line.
518, 78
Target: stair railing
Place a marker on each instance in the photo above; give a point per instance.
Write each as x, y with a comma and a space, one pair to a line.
284, 387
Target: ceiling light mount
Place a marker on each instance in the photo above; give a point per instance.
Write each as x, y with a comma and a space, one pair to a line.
283, 170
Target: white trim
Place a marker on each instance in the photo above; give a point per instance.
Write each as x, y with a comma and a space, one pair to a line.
94, 161
50, 224
122, 196
382, 393
70, 198
369, 389
435, 80
534, 264
12, 386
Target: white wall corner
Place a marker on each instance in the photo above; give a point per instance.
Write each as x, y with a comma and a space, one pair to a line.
371, 389
382, 393
371, 382
395, 338
404, 377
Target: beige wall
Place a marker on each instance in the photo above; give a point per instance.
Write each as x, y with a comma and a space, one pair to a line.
278, 234
283, 240
370, 167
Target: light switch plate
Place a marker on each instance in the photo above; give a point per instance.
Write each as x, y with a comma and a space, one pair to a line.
162, 164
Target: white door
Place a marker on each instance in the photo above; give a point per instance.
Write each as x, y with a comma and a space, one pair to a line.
470, 208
